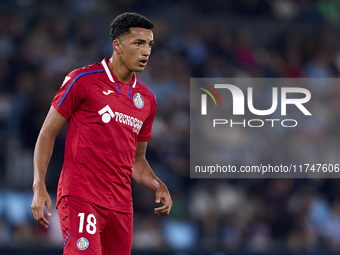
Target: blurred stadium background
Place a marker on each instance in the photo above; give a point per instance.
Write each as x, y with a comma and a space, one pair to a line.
41, 41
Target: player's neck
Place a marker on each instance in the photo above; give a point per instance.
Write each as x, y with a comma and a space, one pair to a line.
120, 71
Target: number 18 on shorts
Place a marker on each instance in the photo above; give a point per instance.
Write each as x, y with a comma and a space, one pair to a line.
89, 229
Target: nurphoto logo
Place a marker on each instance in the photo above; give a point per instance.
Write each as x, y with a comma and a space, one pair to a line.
238, 104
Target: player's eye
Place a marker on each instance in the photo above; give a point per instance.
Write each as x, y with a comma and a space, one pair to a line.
138, 43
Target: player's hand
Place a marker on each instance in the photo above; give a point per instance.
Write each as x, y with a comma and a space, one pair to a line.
40, 199
163, 195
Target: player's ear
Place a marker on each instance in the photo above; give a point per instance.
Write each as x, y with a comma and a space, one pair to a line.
116, 45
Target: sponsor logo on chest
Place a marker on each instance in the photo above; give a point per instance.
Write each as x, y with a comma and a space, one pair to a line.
108, 115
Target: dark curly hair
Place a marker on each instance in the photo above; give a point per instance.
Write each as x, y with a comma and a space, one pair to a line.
122, 23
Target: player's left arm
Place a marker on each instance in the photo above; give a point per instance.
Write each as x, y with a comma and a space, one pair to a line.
143, 174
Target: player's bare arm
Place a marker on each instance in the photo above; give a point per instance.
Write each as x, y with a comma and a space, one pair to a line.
52, 126
144, 175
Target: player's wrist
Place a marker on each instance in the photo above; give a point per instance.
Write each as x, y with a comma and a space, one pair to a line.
39, 186
162, 186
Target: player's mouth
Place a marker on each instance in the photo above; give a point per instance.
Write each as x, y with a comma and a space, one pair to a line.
143, 62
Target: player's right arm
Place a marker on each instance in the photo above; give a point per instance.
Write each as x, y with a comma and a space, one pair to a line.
52, 126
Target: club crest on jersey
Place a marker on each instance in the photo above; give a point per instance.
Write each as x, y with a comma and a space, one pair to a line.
138, 100
82, 243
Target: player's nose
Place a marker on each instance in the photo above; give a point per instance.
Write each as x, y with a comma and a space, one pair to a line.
146, 51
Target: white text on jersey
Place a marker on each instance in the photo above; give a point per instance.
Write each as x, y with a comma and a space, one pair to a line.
107, 114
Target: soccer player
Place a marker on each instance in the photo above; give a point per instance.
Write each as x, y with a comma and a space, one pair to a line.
109, 114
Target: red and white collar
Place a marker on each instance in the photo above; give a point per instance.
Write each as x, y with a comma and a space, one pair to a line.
110, 75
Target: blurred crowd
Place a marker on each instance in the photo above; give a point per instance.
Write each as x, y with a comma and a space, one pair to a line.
42, 41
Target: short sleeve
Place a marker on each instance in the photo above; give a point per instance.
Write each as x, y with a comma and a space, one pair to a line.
69, 96
145, 132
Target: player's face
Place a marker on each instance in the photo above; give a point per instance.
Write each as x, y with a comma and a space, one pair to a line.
136, 48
